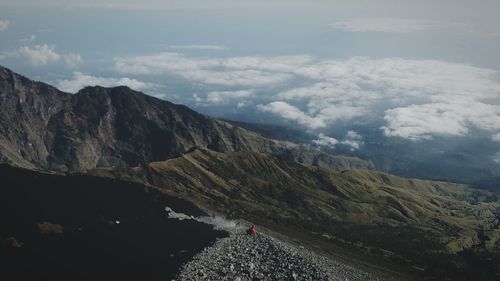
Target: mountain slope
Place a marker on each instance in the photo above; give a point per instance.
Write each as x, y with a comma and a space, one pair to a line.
26, 108
56, 227
44, 128
427, 224
446, 230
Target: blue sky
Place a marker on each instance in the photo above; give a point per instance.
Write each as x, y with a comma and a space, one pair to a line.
420, 69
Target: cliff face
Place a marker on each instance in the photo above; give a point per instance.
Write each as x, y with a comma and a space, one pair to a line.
26, 109
118, 126
44, 128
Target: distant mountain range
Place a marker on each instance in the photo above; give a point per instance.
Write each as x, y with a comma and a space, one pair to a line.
470, 160
437, 229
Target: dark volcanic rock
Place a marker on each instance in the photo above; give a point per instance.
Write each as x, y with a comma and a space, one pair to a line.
86, 228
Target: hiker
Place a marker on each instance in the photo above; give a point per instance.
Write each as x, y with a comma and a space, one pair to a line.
252, 230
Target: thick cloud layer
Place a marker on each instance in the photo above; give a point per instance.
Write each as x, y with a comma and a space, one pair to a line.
416, 99
239, 71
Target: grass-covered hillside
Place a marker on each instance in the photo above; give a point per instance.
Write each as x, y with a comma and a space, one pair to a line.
439, 228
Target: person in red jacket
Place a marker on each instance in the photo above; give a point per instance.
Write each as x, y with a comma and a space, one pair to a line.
252, 230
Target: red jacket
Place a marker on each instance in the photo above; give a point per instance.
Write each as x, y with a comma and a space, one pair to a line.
252, 230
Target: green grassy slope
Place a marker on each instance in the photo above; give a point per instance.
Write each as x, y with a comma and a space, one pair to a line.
424, 224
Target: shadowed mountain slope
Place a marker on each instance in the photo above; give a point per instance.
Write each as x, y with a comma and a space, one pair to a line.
79, 227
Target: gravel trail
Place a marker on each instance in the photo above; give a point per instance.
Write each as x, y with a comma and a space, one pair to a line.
243, 257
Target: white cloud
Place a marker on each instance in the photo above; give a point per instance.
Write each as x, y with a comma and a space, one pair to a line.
4, 24
324, 140
416, 99
239, 78
330, 102
496, 137
223, 97
43, 54
386, 25
423, 121
239, 71
73, 60
291, 112
80, 80
351, 139
199, 47
352, 135
496, 158
31, 38
39, 54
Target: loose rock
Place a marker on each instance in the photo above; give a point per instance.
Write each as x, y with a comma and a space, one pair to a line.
243, 257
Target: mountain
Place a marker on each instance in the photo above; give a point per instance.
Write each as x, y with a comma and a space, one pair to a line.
437, 230
425, 224
78, 227
471, 160
44, 128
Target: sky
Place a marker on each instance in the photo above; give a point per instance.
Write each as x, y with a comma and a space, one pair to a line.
415, 70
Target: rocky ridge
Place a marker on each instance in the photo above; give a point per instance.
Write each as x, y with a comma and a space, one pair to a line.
243, 257
45, 129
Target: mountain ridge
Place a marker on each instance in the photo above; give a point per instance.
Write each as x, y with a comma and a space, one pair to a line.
418, 223
98, 127
440, 228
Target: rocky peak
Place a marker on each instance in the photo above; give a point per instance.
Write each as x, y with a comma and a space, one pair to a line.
44, 128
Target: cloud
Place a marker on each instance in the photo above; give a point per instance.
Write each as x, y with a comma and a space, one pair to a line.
416, 99
4, 24
351, 139
31, 38
43, 54
291, 112
80, 80
386, 25
496, 137
496, 158
73, 60
423, 121
199, 47
223, 97
352, 135
239, 71
324, 140
39, 54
